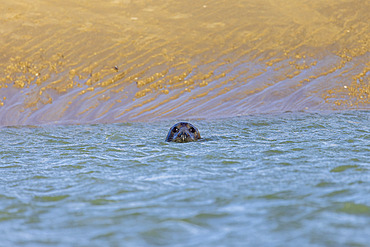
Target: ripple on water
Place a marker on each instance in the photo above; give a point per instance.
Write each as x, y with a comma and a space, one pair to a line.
278, 179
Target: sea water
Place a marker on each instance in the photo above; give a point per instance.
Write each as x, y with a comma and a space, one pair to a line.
291, 179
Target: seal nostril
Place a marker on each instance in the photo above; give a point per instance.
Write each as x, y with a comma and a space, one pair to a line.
184, 134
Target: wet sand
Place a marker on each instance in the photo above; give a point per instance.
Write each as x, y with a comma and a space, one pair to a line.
117, 61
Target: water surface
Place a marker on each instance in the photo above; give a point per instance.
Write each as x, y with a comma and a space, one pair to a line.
265, 180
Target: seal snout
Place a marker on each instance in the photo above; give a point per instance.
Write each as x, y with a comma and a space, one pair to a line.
183, 132
184, 135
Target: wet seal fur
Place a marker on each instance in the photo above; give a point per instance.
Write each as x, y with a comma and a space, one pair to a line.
183, 132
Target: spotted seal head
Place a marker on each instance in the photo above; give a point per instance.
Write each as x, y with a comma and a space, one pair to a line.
183, 132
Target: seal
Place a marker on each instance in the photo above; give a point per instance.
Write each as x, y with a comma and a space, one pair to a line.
183, 132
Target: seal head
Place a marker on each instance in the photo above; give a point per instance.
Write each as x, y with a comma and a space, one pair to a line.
183, 132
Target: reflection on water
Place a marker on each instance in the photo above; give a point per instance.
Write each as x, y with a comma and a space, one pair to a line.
121, 60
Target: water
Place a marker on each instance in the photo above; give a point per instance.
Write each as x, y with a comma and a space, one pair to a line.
265, 180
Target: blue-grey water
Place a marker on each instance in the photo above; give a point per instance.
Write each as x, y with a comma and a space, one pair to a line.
293, 179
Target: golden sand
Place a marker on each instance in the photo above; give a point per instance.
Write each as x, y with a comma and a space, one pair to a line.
121, 60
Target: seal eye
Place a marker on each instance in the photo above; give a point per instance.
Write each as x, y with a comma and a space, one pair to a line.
175, 129
192, 130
